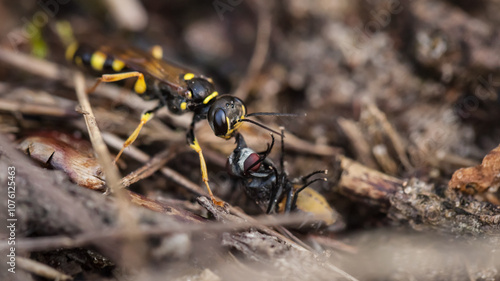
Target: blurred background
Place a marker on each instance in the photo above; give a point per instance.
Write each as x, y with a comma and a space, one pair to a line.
406, 88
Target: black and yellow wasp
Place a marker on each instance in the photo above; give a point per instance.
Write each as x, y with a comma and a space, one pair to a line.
173, 86
271, 188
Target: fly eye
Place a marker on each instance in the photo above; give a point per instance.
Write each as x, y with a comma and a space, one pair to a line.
252, 163
220, 123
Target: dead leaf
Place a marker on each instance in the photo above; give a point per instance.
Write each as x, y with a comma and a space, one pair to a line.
59, 152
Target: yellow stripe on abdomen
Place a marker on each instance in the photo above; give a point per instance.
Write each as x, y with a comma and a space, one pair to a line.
117, 65
97, 60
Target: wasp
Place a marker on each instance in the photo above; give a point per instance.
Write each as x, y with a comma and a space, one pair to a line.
269, 186
175, 87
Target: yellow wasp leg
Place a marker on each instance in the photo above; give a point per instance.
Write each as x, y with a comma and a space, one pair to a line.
144, 119
139, 87
194, 145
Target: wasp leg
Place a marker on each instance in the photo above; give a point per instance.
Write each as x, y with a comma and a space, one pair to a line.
145, 117
193, 143
139, 86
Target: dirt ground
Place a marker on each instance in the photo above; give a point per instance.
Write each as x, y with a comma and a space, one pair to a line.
399, 100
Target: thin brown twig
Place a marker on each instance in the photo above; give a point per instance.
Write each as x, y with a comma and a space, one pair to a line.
126, 219
36, 109
173, 210
261, 48
100, 148
150, 167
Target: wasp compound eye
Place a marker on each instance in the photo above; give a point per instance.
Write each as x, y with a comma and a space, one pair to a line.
252, 163
219, 123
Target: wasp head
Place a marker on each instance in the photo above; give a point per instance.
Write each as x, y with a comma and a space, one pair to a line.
225, 115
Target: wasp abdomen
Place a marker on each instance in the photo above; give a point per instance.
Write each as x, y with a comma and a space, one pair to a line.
86, 56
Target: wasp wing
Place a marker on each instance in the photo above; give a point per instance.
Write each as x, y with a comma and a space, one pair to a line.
144, 62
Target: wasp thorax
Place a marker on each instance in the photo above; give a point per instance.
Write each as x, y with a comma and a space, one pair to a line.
225, 115
200, 88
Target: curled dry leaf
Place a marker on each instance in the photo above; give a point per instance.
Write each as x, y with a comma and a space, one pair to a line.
61, 153
480, 178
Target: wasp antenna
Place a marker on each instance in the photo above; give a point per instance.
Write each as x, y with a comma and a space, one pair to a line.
275, 114
261, 125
